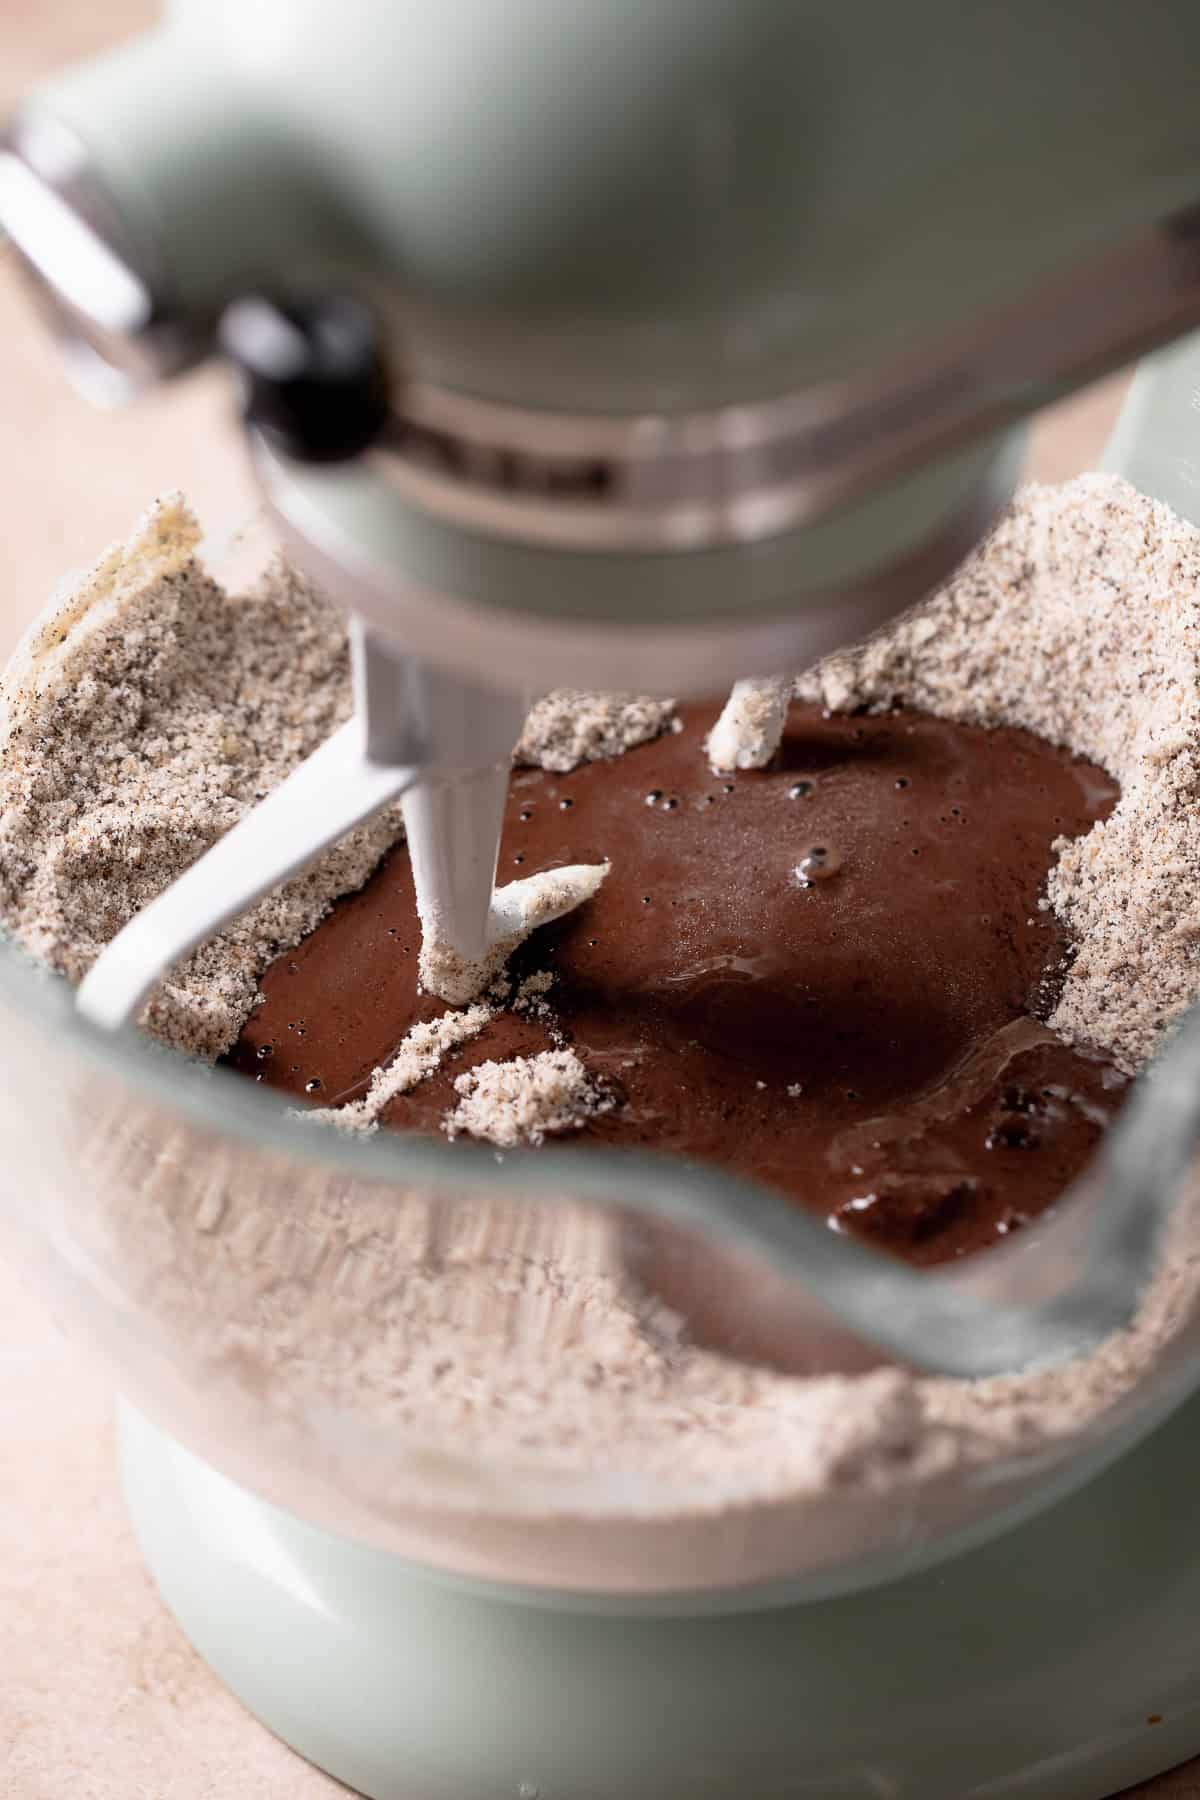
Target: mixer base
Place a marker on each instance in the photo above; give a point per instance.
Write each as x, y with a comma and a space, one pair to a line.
1060, 1661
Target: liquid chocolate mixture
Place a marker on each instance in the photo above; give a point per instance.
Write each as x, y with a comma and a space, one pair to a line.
824, 975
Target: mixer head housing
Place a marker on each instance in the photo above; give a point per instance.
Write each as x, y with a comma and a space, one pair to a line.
705, 326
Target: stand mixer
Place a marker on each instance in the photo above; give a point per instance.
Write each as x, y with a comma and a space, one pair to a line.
649, 374
642, 347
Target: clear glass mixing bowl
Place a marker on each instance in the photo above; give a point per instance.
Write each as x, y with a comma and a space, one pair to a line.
330, 1319
244, 1272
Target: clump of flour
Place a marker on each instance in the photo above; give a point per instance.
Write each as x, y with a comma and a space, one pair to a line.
526, 1099
749, 730
421, 1052
569, 727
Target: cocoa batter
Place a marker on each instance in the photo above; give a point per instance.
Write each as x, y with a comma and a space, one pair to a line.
820, 975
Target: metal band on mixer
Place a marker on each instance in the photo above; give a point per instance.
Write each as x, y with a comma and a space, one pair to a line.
657, 655
691, 481
108, 298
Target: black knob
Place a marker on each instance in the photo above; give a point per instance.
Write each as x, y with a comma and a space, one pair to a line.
314, 379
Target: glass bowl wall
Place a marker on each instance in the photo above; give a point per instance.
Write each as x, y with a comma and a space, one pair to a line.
274, 1292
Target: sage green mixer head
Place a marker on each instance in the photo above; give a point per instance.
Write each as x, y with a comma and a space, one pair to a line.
636, 344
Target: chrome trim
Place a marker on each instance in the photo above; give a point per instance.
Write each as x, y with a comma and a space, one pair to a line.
108, 303
524, 650
742, 473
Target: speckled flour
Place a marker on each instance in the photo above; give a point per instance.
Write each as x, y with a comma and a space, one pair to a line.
489, 1329
526, 1099
143, 714
569, 727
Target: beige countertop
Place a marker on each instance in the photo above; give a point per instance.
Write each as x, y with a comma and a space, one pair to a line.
101, 1698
